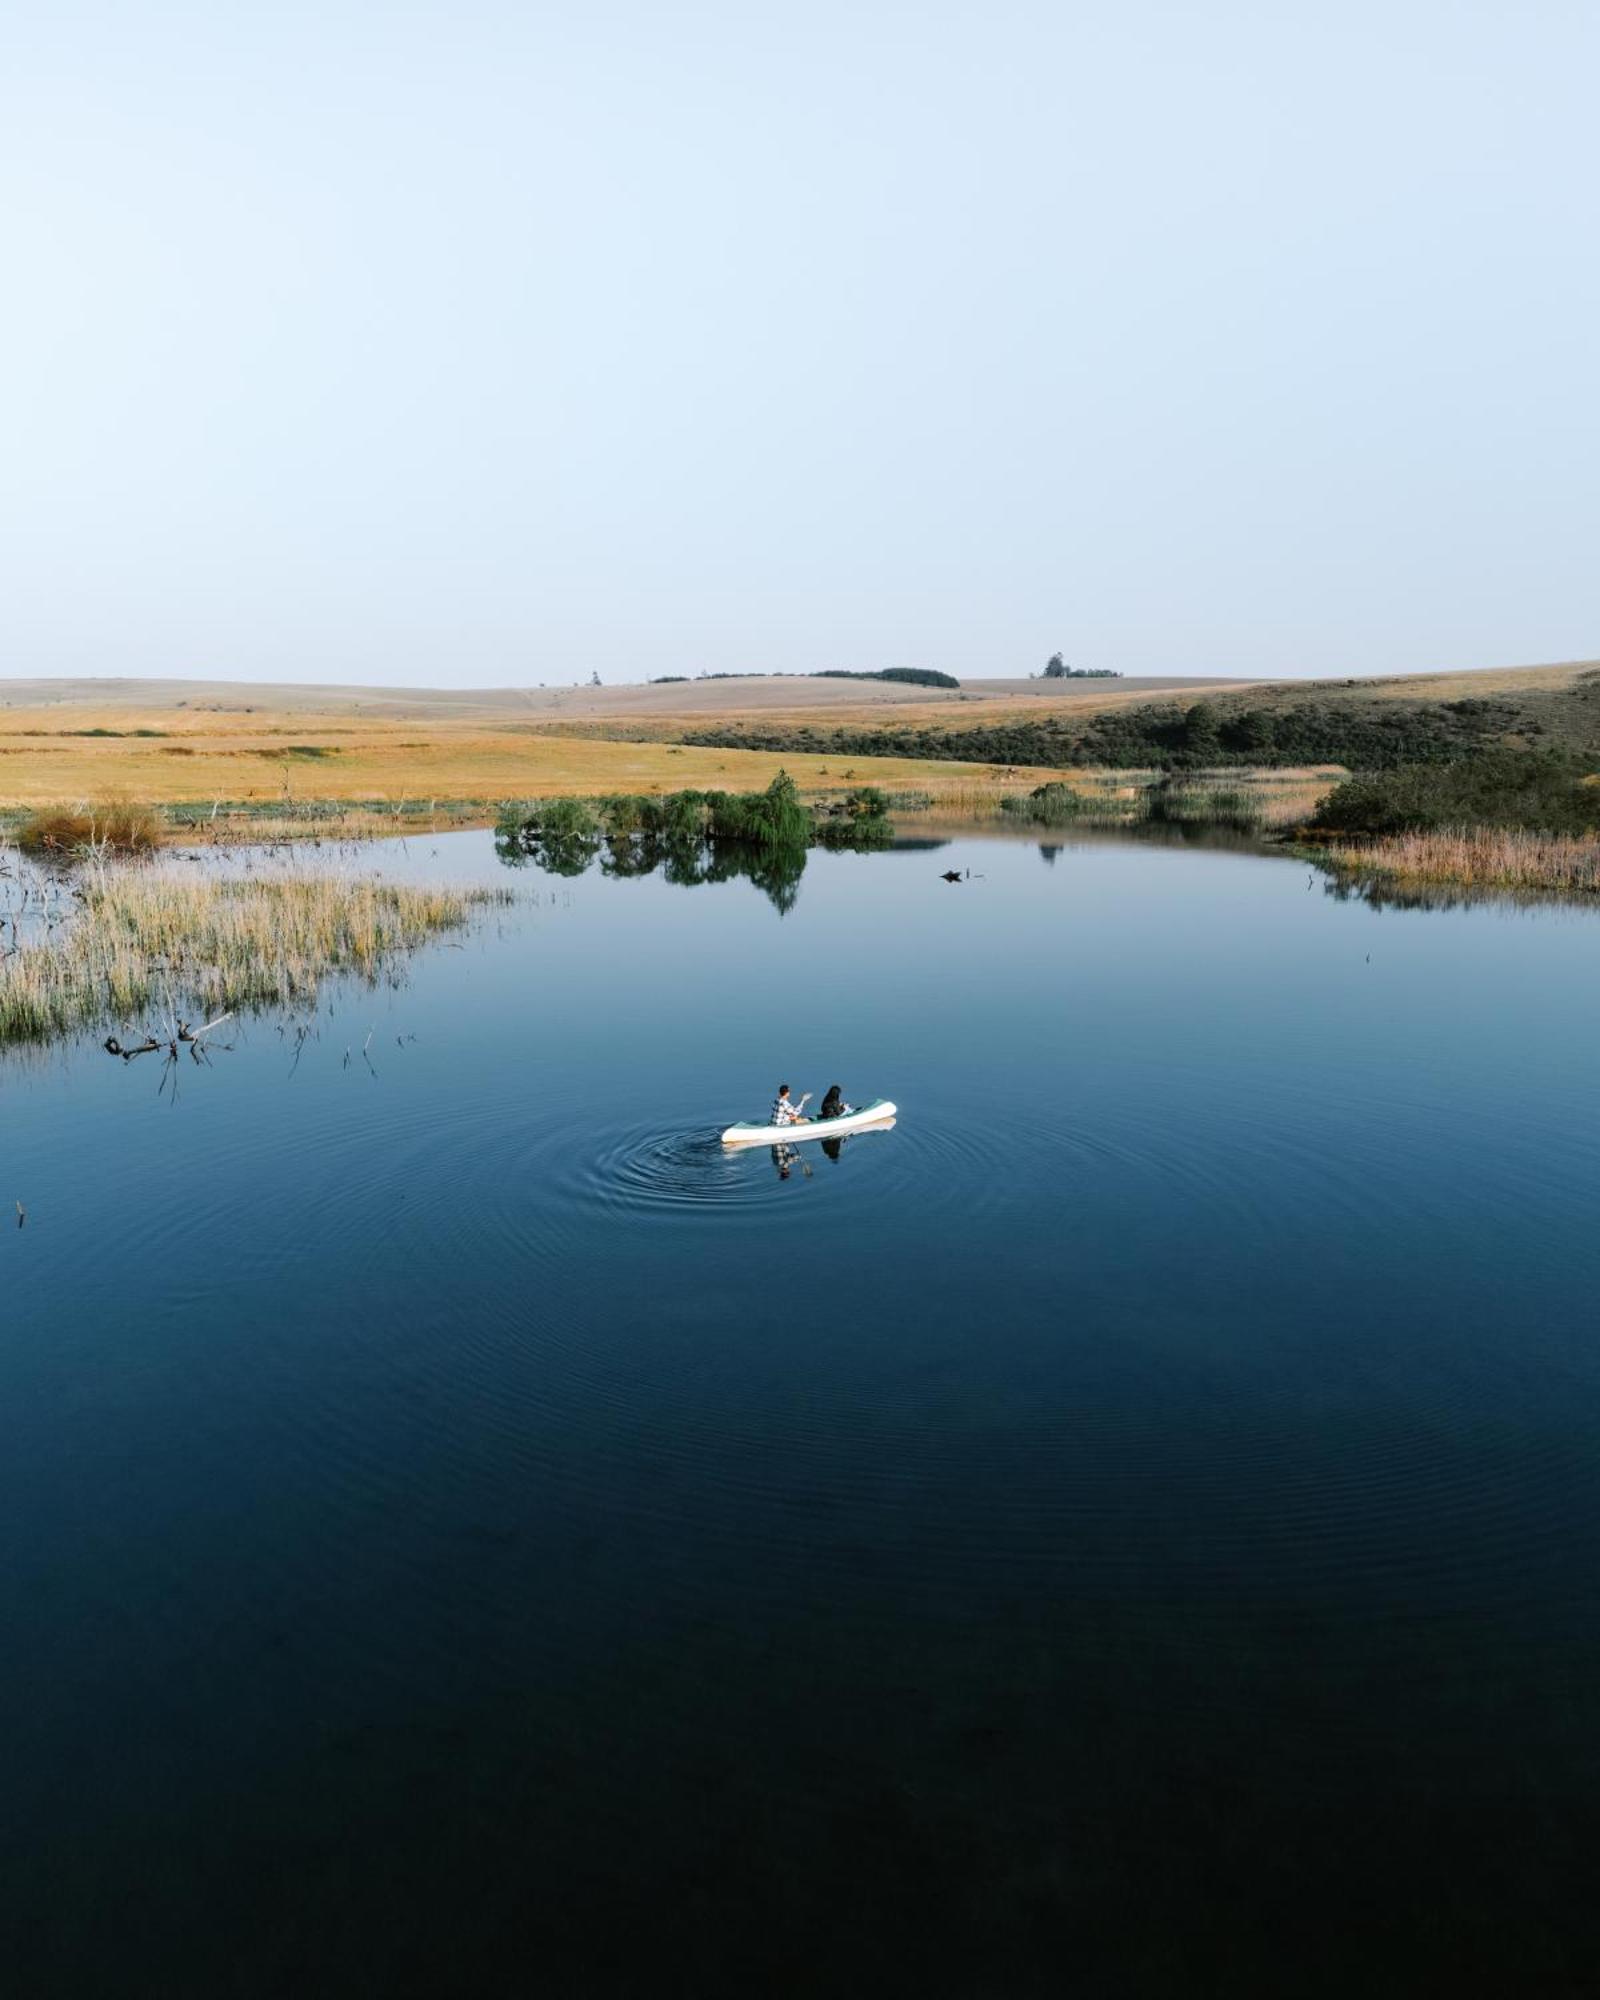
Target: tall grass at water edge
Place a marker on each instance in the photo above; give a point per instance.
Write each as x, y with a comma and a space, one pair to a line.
1506, 860
143, 938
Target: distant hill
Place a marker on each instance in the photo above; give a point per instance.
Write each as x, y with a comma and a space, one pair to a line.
723, 695
1364, 724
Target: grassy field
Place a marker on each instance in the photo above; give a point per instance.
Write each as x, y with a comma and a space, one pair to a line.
265, 758
188, 742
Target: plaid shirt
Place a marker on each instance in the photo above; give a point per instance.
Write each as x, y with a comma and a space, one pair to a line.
783, 1111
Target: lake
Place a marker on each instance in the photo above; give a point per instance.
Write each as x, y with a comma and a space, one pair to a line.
1131, 1528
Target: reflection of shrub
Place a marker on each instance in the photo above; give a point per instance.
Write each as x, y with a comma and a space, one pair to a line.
117, 826
695, 836
562, 835
1542, 791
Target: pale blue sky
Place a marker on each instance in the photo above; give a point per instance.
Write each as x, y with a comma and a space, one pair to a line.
487, 343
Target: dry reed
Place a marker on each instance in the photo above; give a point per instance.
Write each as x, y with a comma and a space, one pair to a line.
147, 938
1480, 858
111, 826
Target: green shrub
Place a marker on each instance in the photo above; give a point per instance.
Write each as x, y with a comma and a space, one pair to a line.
1046, 805
1539, 791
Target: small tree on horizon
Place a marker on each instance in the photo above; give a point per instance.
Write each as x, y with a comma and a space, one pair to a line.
1056, 668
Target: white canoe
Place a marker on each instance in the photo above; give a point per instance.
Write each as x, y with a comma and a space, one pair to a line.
879, 1112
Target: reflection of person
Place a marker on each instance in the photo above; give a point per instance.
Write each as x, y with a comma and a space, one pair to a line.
833, 1148
833, 1105
785, 1111
783, 1158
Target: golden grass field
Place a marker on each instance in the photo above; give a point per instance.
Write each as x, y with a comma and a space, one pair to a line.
259, 743
263, 758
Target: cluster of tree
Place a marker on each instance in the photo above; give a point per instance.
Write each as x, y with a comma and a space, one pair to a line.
928, 677
1056, 669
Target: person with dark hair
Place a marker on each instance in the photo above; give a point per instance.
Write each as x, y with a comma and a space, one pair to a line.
785, 1111
833, 1105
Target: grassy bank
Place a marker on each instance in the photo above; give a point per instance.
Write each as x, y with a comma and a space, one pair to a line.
1505, 821
144, 940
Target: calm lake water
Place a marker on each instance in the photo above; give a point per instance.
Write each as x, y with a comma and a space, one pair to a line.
1134, 1527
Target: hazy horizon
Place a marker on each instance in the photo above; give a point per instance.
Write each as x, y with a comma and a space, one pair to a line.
486, 347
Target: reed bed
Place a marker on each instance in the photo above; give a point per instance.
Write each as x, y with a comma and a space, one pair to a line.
1489, 858
146, 940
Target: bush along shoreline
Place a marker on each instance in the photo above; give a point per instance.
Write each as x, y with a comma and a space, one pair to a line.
692, 837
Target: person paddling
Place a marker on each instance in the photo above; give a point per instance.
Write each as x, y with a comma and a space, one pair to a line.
785, 1111
833, 1105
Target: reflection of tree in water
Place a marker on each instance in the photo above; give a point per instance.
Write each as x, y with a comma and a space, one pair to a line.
687, 864
562, 838
689, 838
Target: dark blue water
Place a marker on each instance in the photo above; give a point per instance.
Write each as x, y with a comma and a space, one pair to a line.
1134, 1527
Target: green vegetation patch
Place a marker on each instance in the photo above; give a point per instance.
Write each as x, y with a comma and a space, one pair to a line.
1047, 805
928, 677
1537, 791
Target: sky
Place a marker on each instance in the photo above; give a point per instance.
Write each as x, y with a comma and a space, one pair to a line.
497, 344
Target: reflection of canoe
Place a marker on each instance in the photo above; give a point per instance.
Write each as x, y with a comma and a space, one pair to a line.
879, 1112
